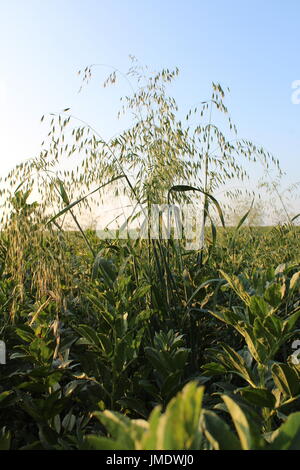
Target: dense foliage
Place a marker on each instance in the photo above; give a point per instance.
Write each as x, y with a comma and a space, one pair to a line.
141, 344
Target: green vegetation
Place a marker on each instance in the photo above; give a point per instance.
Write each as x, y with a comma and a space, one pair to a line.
142, 344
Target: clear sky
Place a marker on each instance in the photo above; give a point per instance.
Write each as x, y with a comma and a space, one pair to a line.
250, 46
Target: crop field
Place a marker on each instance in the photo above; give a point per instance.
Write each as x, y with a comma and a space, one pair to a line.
132, 345
138, 344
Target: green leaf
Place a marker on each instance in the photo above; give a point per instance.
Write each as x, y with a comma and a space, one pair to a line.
92, 442
247, 431
63, 193
89, 334
5, 439
236, 284
116, 424
258, 396
213, 368
295, 280
286, 379
236, 363
218, 432
178, 427
26, 333
273, 294
287, 437
5, 394
183, 188
259, 307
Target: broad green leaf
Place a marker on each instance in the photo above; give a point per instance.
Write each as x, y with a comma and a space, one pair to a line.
236, 284
286, 379
218, 432
247, 431
295, 280
258, 396
273, 294
259, 307
287, 437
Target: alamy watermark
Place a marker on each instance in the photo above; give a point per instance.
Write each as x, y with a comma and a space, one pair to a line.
295, 356
160, 222
2, 352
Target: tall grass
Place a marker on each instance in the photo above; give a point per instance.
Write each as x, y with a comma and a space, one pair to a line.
125, 331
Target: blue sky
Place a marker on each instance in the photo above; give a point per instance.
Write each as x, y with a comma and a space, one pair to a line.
250, 46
